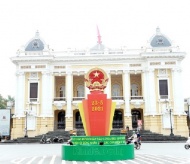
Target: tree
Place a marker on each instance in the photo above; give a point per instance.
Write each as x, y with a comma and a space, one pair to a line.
3, 101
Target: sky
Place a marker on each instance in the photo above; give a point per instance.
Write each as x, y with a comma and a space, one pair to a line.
72, 24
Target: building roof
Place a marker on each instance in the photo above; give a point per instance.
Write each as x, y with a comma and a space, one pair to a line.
35, 44
159, 40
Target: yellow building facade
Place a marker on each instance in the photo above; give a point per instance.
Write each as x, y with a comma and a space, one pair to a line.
144, 83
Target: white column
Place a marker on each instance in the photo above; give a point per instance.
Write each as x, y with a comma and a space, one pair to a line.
177, 92
145, 91
126, 92
87, 91
108, 87
151, 93
45, 92
20, 95
69, 94
50, 95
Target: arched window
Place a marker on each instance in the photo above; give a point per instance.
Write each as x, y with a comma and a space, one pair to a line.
62, 91
134, 90
80, 91
115, 90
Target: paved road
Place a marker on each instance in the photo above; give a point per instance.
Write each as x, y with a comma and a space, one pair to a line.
150, 153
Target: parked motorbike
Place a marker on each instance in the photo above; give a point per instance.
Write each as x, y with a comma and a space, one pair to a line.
187, 144
137, 144
44, 139
57, 139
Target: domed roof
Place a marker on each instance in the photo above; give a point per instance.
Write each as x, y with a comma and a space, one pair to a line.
97, 47
159, 40
35, 44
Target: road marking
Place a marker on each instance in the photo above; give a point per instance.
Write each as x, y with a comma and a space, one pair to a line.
143, 161
18, 161
160, 158
29, 162
149, 158
42, 160
122, 162
53, 159
133, 161
140, 158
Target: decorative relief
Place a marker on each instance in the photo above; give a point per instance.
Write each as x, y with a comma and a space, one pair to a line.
33, 75
101, 66
134, 65
162, 71
40, 66
170, 63
155, 63
59, 67
26, 67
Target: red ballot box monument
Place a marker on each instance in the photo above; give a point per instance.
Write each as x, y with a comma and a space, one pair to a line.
97, 113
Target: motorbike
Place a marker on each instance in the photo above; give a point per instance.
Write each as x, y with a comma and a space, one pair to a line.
57, 139
137, 143
44, 139
187, 144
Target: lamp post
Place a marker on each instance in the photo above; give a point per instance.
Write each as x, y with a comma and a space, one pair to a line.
170, 111
26, 130
26, 114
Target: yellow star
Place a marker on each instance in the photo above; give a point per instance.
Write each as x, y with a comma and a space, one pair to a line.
96, 74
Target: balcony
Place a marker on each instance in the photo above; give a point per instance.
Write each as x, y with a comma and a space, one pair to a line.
117, 98
77, 100
137, 101
59, 102
136, 97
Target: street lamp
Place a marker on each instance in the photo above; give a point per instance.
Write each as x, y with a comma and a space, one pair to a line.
171, 128
27, 112
170, 112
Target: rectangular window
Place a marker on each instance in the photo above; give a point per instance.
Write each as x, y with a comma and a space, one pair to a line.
163, 88
33, 91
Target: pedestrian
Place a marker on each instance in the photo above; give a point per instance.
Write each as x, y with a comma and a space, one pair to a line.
127, 132
139, 137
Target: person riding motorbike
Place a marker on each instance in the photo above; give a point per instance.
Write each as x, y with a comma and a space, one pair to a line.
133, 138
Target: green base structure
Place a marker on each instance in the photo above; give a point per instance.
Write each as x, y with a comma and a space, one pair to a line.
98, 148
97, 152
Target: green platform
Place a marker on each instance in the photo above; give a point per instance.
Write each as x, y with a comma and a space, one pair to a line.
97, 152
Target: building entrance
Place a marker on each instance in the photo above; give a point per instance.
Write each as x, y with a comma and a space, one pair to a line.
136, 117
78, 121
61, 120
117, 120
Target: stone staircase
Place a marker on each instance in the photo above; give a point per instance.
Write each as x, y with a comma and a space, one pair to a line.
147, 136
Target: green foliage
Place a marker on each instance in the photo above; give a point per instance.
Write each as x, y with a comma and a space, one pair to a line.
3, 101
